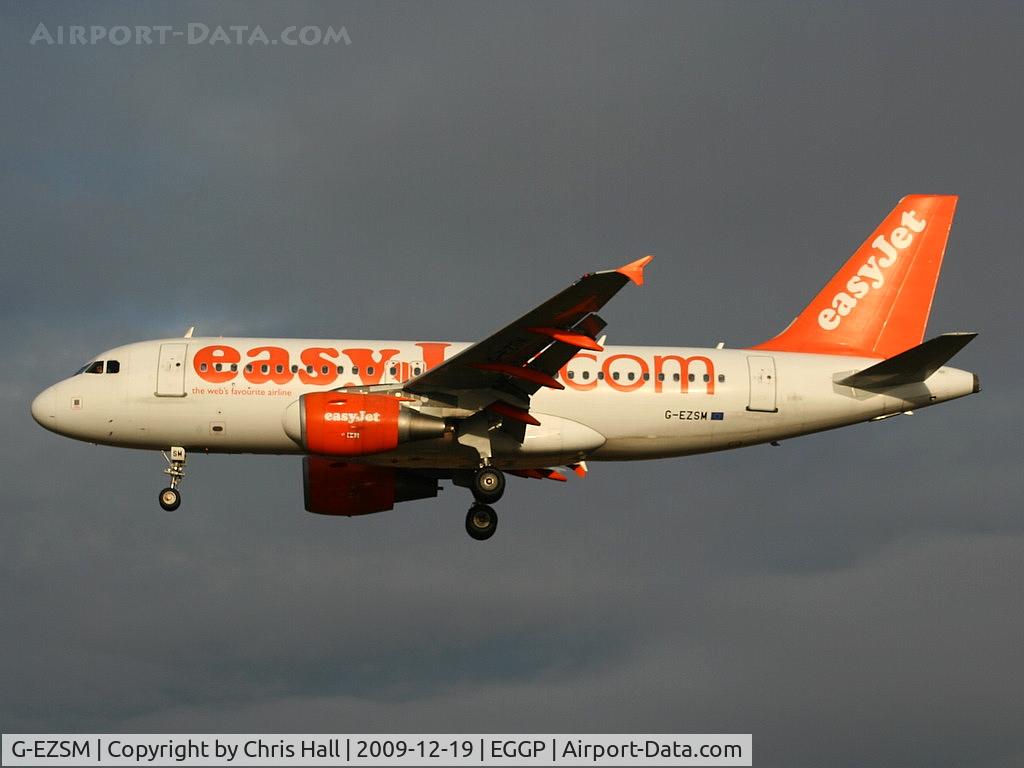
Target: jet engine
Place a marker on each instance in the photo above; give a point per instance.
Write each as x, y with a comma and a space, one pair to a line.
333, 487
355, 424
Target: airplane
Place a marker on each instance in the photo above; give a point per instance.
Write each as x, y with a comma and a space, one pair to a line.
382, 422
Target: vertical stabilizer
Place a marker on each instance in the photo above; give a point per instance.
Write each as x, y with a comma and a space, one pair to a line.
877, 305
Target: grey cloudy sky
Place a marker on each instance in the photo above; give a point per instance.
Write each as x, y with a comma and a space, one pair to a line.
851, 598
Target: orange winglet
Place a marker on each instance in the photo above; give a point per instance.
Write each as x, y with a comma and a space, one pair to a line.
504, 409
579, 469
521, 372
553, 474
635, 269
569, 337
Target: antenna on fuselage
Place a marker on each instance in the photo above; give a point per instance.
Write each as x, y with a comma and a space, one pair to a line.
189, 332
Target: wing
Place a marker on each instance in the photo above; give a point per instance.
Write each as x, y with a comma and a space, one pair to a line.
525, 355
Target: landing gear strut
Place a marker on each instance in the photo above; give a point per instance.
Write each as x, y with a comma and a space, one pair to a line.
488, 485
481, 522
170, 497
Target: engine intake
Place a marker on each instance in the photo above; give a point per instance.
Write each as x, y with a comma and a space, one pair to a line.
355, 424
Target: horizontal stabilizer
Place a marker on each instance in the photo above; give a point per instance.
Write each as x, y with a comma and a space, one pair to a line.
914, 365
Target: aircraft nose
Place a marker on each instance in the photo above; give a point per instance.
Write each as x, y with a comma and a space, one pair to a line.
44, 408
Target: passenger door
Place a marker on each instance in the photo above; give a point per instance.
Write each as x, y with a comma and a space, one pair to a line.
170, 374
762, 384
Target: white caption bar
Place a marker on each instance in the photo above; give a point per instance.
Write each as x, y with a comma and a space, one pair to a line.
320, 749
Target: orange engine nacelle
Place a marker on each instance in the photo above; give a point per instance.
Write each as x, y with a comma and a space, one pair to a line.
355, 424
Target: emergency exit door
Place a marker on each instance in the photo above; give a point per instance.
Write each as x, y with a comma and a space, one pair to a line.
762, 384
170, 373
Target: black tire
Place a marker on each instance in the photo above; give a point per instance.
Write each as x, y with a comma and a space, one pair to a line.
170, 499
488, 485
481, 522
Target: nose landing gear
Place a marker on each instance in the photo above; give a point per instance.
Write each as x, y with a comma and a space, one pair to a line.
170, 497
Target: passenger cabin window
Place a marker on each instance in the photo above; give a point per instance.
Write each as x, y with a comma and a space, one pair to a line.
113, 366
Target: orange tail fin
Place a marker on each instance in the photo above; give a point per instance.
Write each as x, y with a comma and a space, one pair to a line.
877, 305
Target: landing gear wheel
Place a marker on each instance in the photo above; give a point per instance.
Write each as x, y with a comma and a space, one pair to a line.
170, 499
488, 485
481, 522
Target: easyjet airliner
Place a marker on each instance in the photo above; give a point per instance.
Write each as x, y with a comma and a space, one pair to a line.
380, 422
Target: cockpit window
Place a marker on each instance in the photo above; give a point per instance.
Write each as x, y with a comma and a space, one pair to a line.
96, 367
113, 366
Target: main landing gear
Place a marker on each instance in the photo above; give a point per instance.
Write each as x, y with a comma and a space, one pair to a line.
170, 497
481, 521
487, 486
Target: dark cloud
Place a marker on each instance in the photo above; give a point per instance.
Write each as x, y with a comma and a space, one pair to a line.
849, 598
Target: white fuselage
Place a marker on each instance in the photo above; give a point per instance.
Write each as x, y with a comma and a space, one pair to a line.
619, 404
